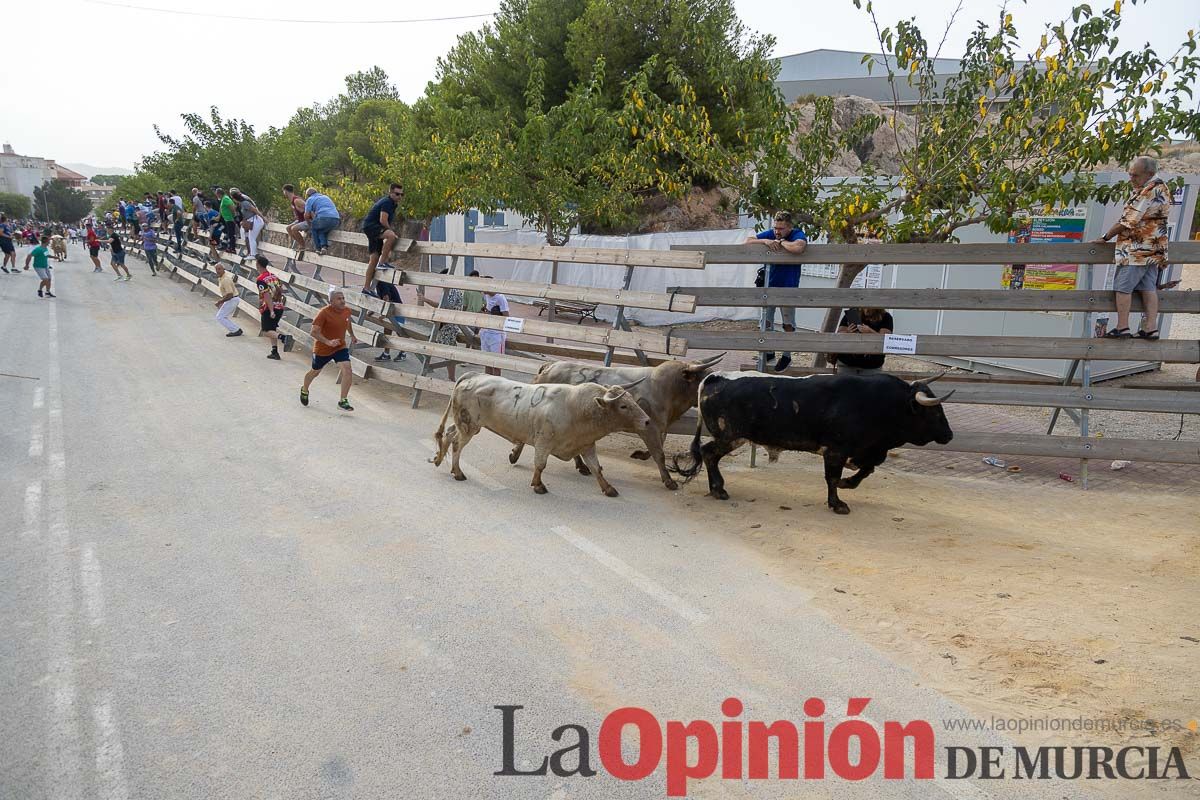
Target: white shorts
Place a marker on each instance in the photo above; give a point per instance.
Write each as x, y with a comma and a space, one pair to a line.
491, 341
42, 273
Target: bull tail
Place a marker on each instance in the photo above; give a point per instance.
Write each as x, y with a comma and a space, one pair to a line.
439, 434
697, 461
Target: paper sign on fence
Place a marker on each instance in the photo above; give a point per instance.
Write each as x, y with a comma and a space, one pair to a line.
900, 343
514, 324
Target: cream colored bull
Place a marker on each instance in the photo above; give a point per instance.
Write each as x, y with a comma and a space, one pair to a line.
558, 420
664, 392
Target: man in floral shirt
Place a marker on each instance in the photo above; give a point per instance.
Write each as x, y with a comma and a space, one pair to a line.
1141, 251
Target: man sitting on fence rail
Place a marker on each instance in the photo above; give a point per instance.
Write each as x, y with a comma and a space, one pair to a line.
783, 236
321, 216
1141, 251
863, 321
377, 225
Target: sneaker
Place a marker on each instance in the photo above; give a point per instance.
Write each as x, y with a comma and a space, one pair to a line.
273, 355
238, 332
344, 405
40, 293
50, 293
118, 278
401, 356
303, 396
128, 277
286, 341
369, 292
784, 363
383, 357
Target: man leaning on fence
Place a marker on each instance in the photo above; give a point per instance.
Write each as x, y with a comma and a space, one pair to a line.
783, 237
1141, 250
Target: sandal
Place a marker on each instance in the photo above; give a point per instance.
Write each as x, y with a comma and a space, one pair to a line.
1150, 336
1118, 333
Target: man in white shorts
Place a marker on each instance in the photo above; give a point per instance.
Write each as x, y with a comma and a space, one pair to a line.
492, 341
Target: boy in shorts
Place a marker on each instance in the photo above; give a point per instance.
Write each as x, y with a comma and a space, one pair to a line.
40, 256
492, 341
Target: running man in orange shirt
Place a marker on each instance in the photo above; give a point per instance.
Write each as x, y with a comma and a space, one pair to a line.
329, 329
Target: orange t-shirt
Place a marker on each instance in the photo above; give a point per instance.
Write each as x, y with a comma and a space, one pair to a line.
332, 324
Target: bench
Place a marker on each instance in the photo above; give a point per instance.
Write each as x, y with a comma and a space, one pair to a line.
583, 310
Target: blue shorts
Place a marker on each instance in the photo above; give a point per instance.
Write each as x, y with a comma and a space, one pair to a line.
341, 356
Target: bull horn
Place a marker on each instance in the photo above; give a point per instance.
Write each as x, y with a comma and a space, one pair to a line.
708, 362
941, 374
628, 386
929, 400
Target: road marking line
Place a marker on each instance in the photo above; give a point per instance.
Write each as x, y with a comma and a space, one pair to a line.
33, 510
36, 440
93, 591
63, 732
39, 397
110, 755
646, 584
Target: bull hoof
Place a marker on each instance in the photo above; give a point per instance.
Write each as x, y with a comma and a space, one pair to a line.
512, 457
540, 489
611, 491
844, 483
458, 476
840, 508
640, 455
719, 494
671, 484
583, 470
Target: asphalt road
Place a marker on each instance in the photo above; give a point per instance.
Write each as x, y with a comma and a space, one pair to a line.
209, 591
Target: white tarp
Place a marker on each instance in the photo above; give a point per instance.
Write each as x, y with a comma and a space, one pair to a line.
645, 279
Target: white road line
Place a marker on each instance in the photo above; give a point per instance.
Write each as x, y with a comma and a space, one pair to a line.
93, 591
33, 510
63, 733
36, 439
39, 398
646, 584
110, 755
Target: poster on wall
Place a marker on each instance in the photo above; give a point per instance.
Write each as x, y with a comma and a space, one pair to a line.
1064, 225
869, 278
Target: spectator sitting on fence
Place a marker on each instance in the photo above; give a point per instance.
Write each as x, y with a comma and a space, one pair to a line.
783, 237
1141, 249
322, 217
300, 224
377, 225
862, 320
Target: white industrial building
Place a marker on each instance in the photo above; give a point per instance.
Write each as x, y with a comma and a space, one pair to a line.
22, 174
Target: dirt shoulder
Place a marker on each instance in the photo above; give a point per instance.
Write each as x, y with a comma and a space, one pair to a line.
1014, 600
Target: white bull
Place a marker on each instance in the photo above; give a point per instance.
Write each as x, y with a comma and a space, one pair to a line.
558, 420
664, 392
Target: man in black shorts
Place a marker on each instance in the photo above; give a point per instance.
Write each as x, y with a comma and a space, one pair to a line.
390, 294
271, 304
377, 225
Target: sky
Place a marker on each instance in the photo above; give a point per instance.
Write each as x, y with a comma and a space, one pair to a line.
104, 74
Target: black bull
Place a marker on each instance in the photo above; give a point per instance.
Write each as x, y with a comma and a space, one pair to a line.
846, 418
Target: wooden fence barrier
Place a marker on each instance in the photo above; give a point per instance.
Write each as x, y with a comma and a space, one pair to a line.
374, 325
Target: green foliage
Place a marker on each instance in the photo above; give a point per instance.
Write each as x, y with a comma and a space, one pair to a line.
14, 205
107, 180
1009, 135
57, 202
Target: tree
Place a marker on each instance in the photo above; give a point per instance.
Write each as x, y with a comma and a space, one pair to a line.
107, 180
57, 202
1009, 135
14, 205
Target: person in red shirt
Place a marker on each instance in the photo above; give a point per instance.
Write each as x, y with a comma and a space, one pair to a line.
93, 246
329, 329
271, 304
